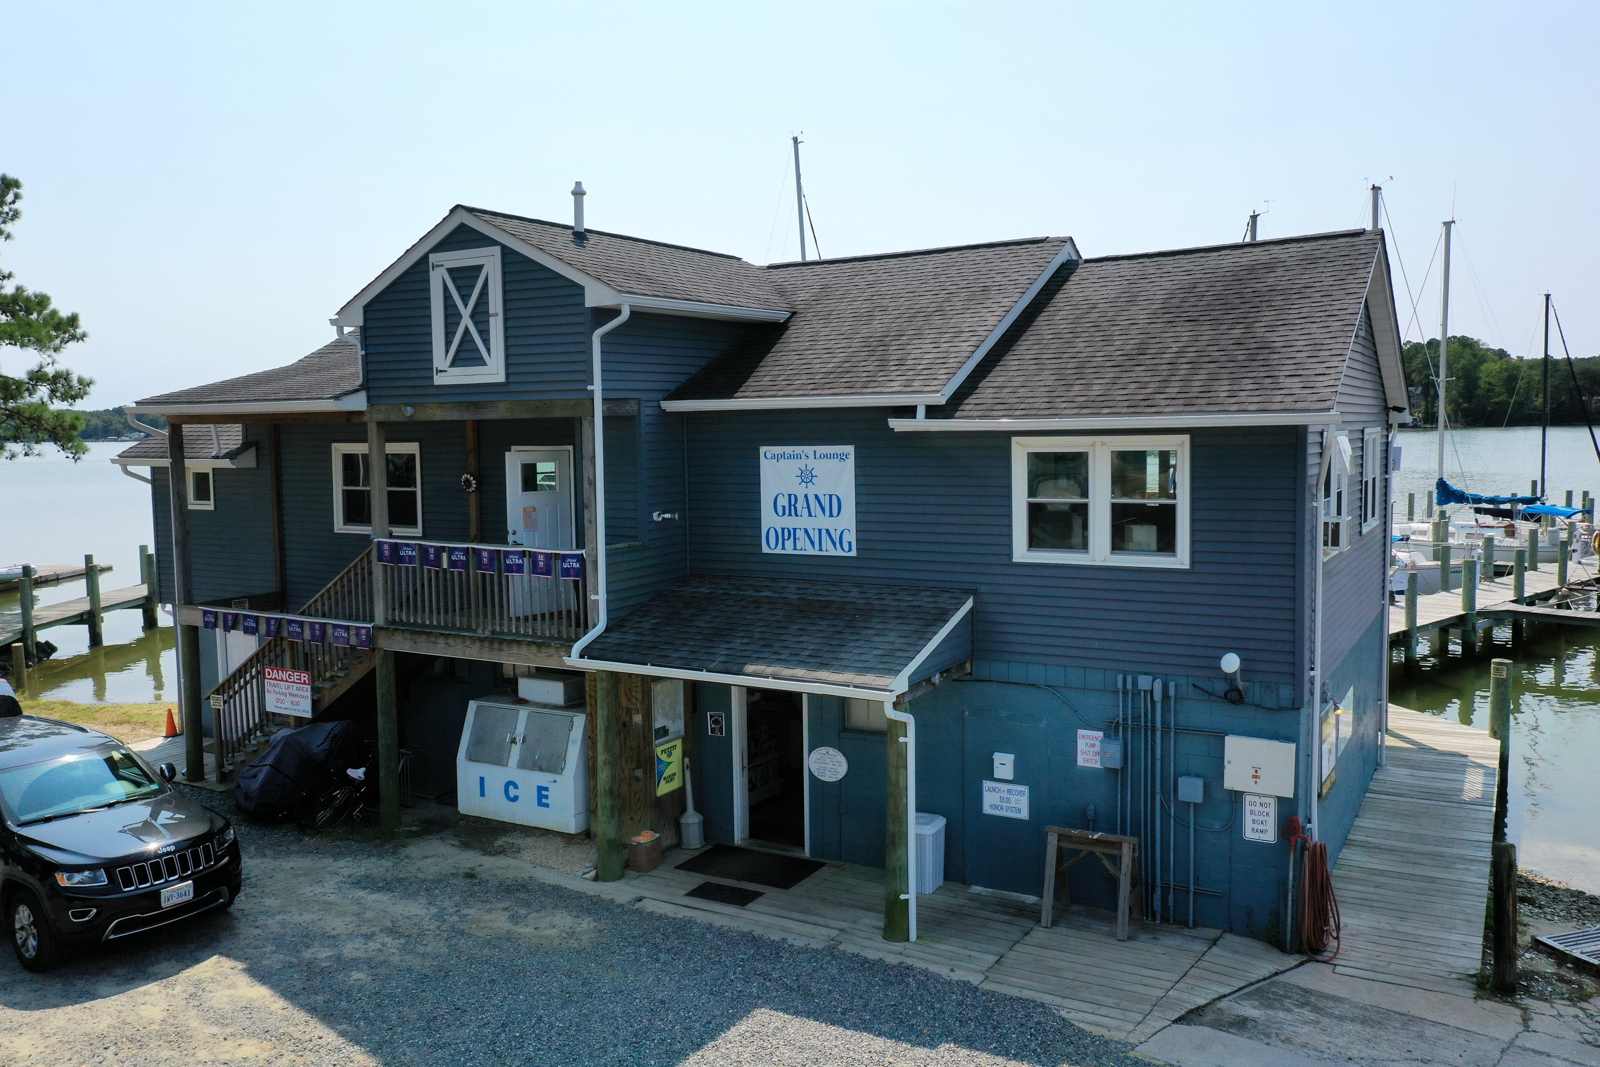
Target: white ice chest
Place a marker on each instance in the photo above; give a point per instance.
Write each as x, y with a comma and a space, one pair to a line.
524, 763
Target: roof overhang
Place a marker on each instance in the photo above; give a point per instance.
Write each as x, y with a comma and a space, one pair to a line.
772, 403
1386, 336
242, 458
1120, 422
352, 401
596, 293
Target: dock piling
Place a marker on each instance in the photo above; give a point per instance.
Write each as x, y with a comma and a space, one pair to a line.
1533, 549
1411, 618
1489, 574
25, 597
1503, 864
147, 575
91, 580
19, 667
1563, 554
1519, 570
1444, 567
1569, 498
1469, 605
1411, 507
1427, 503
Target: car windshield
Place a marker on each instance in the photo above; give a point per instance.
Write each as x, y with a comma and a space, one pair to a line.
76, 783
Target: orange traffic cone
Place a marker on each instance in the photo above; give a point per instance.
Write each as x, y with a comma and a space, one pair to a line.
172, 725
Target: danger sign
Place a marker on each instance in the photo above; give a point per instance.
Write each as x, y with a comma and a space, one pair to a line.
288, 692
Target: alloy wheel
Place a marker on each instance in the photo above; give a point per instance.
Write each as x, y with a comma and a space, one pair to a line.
26, 930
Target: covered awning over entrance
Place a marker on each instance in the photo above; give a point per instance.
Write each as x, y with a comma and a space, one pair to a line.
845, 639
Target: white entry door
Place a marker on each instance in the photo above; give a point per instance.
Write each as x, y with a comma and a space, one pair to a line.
539, 508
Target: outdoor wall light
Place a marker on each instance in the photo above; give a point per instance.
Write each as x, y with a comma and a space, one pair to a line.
1235, 691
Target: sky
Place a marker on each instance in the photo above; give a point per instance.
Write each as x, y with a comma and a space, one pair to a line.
207, 184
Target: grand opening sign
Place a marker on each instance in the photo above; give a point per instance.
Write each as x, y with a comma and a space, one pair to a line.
808, 499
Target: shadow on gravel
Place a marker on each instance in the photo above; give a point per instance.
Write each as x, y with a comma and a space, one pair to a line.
424, 952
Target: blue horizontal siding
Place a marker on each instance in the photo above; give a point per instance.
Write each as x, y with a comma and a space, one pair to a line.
230, 546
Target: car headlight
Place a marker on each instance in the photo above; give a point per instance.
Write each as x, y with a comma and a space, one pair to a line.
225, 839
81, 878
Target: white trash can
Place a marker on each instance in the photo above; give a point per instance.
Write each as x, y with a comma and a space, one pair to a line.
930, 852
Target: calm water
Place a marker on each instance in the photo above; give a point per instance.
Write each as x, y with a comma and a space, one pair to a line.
54, 511
1555, 736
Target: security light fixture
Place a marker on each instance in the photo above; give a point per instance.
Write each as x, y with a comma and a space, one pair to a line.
1230, 664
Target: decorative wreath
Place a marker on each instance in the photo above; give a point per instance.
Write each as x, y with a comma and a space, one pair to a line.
469, 482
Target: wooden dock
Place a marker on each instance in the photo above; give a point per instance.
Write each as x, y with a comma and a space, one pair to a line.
1413, 877
75, 612
19, 629
1494, 601
52, 574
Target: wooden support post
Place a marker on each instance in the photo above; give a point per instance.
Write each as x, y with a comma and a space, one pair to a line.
1411, 507
609, 846
30, 644
378, 480
1519, 570
1533, 549
1427, 509
1503, 890
388, 742
1488, 574
1500, 730
189, 693
1439, 533
280, 550
1533, 487
1444, 568
194, 723
1411, 618
897, 843
19, 667
152, 588
91, 581
1563, 555
1569, 498
474, 511
1469, 604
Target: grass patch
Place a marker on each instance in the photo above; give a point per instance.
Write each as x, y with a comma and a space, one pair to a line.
125, 722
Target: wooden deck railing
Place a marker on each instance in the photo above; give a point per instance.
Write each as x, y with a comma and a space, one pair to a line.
491, 595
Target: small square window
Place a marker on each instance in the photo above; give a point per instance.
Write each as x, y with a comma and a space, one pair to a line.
200, 496
540, 477
865, 715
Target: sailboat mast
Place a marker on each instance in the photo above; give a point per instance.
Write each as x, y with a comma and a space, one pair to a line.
1444, 338
799, 198
1544, 425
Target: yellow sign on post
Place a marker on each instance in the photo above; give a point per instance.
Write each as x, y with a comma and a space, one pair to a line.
669, 767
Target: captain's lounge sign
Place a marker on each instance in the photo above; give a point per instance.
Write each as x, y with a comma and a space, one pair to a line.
808, 500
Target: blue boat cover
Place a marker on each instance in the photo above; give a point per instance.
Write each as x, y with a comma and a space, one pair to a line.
1445, 493
1556, 510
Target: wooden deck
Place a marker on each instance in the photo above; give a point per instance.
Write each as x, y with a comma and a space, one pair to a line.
1413, 877
70, 612
171, 750
1127, 990
1444, 609
53, 574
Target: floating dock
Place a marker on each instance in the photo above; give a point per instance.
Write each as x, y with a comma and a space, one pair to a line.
19, 629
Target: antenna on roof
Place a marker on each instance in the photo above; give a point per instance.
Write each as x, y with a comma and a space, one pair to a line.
799, 198
577, 209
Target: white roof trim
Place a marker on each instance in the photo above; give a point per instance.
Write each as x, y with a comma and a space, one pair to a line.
1379, 302
595, 292
352, 401
1069, 252
245, 460
765, 403
756, 681
1122, 422
902, 681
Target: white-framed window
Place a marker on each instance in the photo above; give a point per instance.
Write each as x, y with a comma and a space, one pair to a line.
201, 496
1335, 483
1371, 478
1118, 501
352, 488
469, 340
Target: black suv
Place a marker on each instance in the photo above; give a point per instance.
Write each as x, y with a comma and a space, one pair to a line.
95, 844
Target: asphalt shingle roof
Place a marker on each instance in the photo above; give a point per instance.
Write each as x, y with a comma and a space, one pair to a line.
876, 325
804, 631
1257, 327
329, 372
639, 267
197, 444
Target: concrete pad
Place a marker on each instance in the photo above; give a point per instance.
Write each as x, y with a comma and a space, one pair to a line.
1200, 1046
1521, 1057
1486, 1017
1580, 1052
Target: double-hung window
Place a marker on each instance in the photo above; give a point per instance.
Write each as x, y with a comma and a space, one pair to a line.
1122, 501
1371, 478
352, 489
1335, 480
469, 337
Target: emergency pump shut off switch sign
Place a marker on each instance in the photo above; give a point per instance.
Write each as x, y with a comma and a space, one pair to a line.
808, 499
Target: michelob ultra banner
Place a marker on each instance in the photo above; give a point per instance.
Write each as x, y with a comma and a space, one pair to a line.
572, 566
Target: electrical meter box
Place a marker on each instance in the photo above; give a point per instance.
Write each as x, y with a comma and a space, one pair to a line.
1256, 765
524, 763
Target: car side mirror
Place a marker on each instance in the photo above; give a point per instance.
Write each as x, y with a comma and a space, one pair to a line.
167, 771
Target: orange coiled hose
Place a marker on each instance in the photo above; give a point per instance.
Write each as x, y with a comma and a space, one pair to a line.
1319, 907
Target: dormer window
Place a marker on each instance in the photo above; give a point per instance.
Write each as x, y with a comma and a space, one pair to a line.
469, 341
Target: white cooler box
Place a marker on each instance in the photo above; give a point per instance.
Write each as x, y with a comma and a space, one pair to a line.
930, 851
524, 763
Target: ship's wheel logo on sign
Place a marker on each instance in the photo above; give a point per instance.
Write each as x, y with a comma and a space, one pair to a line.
807, 476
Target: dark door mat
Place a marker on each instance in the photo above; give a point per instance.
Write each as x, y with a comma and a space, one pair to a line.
725, 894
748, 865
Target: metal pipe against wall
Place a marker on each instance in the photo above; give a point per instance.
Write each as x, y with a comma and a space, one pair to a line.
1172, 811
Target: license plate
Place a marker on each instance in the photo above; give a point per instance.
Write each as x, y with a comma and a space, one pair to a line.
178, 894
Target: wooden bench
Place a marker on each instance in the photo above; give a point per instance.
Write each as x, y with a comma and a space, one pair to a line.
1088, 843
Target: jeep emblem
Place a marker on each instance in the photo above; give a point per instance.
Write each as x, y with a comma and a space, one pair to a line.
166, 848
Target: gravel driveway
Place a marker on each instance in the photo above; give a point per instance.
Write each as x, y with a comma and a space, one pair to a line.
442, 949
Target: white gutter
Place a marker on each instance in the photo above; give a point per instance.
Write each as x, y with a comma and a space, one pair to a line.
773, 403
127, 413
125, 469
1314, 731
599, 576
355, 400
1122, 422
757, 681
698, 309
910, 741
361, 356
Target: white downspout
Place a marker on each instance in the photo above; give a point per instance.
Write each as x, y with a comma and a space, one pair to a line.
1314, 737
599, 576
910, 741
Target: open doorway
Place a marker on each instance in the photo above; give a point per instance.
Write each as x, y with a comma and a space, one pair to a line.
775, 767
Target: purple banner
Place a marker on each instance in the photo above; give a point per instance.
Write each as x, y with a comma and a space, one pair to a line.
230, 619
251, 624
363, 636
514, 560
385, 551
457, 558
274, 625
407, 552
543, 565
317, 631
485, 557
571, 566
341, 634
433, 557
208, 618
294, 630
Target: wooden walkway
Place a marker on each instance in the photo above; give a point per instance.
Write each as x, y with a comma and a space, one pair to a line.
1413, 877
171, 750
70, 612
52, 574
1127, 990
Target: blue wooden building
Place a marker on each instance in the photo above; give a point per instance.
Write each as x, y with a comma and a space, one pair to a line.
966, 531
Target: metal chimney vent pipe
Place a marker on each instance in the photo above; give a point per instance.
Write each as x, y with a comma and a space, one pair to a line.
577, 209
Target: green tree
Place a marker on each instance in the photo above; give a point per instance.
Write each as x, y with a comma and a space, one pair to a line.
32, 405
1491, 387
